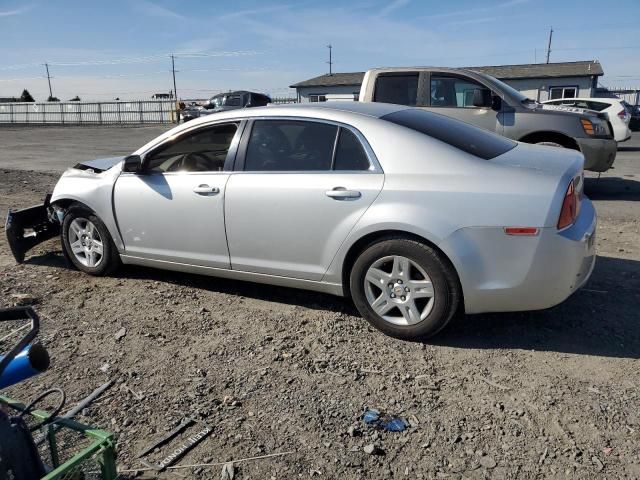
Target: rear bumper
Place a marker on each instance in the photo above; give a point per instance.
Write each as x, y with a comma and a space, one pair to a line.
599, 153
28, 227
501, 273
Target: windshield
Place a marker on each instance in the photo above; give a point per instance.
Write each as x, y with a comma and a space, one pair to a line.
216, 101
509, 89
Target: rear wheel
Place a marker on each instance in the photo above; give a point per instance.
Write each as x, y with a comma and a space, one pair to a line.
86, 242
550, 144
404, 288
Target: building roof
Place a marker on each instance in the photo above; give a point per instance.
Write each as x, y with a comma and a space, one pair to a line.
543, 70
334, 80
502, 72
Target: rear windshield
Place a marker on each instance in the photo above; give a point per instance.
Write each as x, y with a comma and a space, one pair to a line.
463, 136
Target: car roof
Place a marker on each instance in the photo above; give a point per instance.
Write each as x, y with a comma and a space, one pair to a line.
317, 110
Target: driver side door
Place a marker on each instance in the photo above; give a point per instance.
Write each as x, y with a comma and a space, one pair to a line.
452, 95
173, 210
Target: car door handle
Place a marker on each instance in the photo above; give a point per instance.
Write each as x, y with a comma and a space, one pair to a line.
205, 189
341, 193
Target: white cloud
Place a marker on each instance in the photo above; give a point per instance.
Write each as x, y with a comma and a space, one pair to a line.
151, 9
395, 5
471, 11
16, 11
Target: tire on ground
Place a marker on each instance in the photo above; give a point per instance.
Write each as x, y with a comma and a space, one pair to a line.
447, 291
110, 258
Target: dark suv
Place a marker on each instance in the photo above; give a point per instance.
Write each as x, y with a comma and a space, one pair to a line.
227, 101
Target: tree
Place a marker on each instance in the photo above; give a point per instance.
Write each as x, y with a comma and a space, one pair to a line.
53, 99
75, 99
26, 96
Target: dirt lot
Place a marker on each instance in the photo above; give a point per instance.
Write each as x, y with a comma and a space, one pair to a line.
528, 395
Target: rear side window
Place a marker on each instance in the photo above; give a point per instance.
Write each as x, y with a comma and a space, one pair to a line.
598, 106
401, 89
289, 145
350, 154
465, 137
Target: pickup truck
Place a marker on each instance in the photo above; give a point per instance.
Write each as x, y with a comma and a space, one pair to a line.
487, 102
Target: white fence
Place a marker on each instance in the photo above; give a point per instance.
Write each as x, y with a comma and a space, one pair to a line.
88, 113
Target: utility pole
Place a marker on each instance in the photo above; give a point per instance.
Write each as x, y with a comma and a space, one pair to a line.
175, 92
173, 71
46, 65
330, 62
549, 46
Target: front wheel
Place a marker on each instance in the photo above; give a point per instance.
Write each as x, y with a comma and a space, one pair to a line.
86, 242
404, 288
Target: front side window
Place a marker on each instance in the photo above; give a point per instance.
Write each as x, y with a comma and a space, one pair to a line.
290, 145
453, 92
233, 101
401, 89
204, 150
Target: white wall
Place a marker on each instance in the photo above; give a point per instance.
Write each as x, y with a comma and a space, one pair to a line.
539, 88
332, 93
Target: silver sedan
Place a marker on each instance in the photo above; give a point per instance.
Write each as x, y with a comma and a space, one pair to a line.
414, 215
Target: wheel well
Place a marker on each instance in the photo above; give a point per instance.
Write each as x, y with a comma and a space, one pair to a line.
555, 137
375, 237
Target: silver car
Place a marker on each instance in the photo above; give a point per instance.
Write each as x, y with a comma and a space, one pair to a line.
414, 215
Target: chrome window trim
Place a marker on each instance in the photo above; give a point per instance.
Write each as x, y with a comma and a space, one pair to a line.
190, 129
371, 156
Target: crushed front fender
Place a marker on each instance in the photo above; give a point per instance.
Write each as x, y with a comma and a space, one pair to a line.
29, 227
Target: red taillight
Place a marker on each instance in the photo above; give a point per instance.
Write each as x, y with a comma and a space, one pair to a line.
569, 210
622, 114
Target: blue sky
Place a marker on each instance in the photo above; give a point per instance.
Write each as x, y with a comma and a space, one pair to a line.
119, 48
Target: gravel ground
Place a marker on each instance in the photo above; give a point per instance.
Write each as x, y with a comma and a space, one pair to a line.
273, 370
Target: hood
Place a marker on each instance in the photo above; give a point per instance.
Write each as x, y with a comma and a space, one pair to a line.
99, 165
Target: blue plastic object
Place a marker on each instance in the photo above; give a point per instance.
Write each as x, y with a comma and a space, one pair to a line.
390, 424
371, 416
31, 361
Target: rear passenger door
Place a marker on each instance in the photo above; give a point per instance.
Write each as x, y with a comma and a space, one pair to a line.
298, 188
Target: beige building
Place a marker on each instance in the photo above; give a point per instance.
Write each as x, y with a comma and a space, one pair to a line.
540, 81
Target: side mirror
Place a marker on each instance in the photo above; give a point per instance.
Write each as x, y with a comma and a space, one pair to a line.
482, 98
132, 164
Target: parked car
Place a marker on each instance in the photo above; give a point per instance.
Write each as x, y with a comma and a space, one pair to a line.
414, 215
618, 114
191, 111
229, 101
487, 102
634, 123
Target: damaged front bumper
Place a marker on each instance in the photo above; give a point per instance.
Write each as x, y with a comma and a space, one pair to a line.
29, 227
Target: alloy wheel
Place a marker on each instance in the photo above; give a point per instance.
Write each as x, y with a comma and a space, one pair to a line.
399, 290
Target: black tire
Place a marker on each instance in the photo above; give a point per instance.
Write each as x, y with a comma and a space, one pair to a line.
110, 259
446, 287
